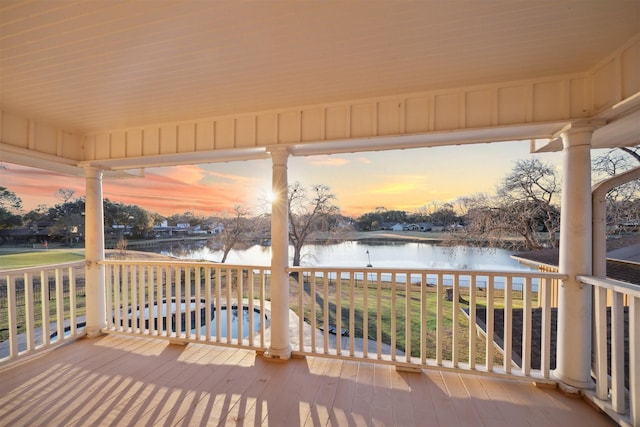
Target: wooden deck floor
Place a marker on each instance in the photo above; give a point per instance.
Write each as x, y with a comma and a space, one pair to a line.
116, 380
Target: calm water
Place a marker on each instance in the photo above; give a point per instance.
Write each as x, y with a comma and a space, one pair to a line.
354, 254
221, 312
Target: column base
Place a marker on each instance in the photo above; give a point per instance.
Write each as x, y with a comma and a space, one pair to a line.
278, 353
93, 331
571, 386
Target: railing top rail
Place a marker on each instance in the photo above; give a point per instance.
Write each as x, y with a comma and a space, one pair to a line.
494, 273
614, 285
183, 264
16, 271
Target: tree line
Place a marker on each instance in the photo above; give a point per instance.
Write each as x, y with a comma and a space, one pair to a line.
524, 211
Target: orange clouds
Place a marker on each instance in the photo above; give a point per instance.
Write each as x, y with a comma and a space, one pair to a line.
182, 188
163, 190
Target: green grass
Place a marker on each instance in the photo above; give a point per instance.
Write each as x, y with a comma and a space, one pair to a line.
340, 303
34, 259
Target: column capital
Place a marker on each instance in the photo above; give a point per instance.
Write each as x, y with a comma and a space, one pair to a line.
579, 133
91, 171
580, 126
279, 154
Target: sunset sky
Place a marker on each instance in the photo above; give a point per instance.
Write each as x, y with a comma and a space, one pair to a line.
399, 179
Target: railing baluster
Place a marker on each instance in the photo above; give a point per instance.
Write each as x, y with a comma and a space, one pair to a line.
13, 316
139, 306
600, 324
263, 280
378, 315
28, 311
473, 332
489, 324
176, 316
109, 297
60, 303
325, 310
526, 328
407, 317
133, 310
116, 297
198, 305
365, 315
339, 313
454, 321
240, 309
617, 353
125, 298
352, 317
301, 323
439, 308
72, 302
423, 318
187, 301
218, 301
250, 305
312, 307
44, 291
208, 302
151, 304
508, 324
394, 315
545, 340
229, 302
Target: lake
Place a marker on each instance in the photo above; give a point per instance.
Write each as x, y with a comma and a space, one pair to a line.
360, 253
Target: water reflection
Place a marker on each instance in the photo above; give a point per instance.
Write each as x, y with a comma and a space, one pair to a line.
354, 254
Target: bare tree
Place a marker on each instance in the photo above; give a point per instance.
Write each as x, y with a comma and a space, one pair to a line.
623, 202
236, 228
522, 213
531, 190
309, 212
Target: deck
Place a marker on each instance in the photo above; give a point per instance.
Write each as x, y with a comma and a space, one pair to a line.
120, 380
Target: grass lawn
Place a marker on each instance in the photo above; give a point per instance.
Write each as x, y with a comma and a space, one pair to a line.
34, 259
379, 301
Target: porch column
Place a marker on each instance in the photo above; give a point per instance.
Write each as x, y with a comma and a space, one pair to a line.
573, 358
279, 346
94, 252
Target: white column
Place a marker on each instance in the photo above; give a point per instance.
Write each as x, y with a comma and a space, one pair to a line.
279, 346
573, 358
94, 252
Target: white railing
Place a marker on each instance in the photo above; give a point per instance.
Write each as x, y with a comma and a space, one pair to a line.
422, 318
616, 327
189, 301
40, 307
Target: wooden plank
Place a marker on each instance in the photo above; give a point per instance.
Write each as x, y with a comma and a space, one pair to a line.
344, 394
459, 396
421, 400
324, 399
401, 405
444, 410
382, 408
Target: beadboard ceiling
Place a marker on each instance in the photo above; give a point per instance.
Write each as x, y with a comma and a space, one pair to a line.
95, 65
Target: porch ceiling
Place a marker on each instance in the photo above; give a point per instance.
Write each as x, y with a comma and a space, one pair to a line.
101, 65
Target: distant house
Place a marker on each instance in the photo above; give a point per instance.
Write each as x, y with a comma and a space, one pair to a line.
425, 226
216, 228
397, 227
